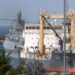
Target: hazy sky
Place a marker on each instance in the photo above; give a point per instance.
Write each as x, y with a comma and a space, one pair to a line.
30, 8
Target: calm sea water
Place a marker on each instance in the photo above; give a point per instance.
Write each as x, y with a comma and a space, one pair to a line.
4, 30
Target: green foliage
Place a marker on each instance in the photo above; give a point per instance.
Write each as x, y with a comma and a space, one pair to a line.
23, 68
20, 69
10, 72
4, 67
35, 67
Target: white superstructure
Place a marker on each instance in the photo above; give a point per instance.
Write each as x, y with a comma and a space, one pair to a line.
31, 37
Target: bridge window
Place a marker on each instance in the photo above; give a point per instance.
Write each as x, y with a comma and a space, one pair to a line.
26, 27
29, 27
33, 27
48, 27
44, 27
57, 27
37, 27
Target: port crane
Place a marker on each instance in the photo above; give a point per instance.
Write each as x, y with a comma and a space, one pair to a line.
44, 17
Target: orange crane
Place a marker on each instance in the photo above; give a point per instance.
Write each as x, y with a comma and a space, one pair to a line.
72, 39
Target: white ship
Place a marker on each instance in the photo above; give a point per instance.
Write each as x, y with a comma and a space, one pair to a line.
44, 42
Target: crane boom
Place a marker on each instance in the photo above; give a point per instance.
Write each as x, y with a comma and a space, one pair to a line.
52, 29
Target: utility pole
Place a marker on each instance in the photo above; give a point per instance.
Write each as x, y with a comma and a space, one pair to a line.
64, 43
34, 63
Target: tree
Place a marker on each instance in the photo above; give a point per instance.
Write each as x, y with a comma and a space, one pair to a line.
20, 69
4, 66
6, 69
31, 68
10, 72
34, 68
